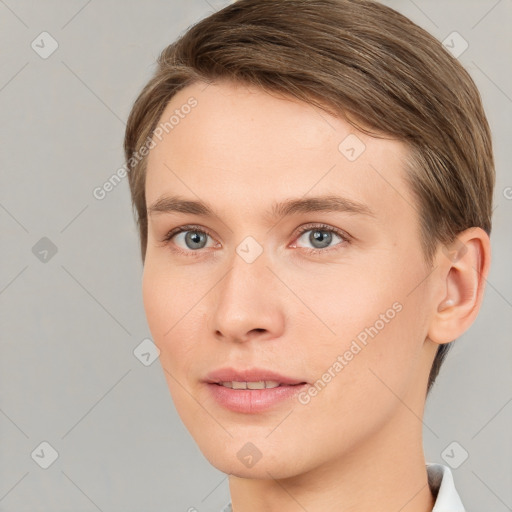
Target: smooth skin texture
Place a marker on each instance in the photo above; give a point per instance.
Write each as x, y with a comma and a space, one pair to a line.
357, 445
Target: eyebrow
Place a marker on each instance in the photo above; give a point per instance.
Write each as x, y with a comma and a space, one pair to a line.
326, 203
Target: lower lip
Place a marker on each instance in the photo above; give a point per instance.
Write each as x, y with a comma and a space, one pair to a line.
253, 400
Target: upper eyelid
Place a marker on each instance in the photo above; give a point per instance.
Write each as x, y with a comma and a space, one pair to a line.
322, 227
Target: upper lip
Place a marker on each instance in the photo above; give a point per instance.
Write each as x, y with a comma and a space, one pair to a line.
249, 375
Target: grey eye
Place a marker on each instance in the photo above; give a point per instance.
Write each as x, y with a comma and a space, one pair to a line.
195, 239
318, 238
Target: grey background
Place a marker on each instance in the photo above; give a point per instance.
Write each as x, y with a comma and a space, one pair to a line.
68, 375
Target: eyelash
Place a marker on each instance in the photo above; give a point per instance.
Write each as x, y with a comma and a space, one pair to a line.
319, 227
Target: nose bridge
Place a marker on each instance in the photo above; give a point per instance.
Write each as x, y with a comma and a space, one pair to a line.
246, 300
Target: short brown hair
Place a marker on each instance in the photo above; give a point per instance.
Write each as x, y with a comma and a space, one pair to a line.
352, 58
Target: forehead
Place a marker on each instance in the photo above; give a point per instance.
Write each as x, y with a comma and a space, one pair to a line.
252, 148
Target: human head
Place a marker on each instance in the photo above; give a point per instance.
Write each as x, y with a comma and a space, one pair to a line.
357, 59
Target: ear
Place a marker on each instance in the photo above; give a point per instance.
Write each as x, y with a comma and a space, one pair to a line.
464, 266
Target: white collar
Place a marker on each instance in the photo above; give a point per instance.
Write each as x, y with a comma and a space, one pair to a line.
442, 486
440, 480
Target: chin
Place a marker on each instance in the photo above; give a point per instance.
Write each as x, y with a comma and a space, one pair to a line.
259, 460
262, 470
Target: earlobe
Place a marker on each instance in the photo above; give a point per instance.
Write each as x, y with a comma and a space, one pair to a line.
462, 272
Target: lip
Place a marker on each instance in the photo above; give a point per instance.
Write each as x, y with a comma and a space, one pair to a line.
249, 375
251, 401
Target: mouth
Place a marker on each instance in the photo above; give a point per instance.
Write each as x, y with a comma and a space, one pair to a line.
252, 391
261, 384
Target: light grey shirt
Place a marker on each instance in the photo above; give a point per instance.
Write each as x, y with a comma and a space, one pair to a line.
440, 481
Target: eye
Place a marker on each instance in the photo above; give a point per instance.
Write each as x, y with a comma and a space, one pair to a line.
321, 237
187, 239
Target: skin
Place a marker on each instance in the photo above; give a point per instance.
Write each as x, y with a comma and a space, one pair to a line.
357, 445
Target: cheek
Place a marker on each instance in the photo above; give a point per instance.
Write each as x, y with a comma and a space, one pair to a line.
344, 302
358, 392
166, 310
377, 330
163, 299
156, 303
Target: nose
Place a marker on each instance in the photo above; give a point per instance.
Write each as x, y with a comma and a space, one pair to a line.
248, 302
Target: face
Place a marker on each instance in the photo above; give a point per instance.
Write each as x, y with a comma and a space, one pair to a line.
300, 266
